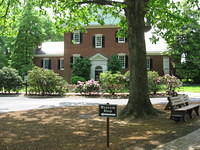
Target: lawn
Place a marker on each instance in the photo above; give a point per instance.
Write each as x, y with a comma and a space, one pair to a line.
80, 128
190, 88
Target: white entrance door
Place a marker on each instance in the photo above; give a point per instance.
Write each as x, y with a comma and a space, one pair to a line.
98, 65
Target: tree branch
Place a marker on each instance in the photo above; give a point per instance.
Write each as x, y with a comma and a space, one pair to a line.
7, 9
101, 2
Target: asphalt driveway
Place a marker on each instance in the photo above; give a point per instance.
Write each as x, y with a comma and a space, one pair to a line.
18, 103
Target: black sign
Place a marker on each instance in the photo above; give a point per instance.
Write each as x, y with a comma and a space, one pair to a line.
107, 110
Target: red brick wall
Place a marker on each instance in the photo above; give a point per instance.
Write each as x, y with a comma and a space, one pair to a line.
54, 64
111, 48
86, 49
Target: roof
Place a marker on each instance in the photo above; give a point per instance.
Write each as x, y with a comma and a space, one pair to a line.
51, 49
158, 47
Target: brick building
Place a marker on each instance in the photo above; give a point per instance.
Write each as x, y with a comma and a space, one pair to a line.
98, 44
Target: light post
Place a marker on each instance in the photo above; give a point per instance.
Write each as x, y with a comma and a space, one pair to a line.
183, 58
26, 84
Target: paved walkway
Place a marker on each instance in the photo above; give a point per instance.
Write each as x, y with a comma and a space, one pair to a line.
18, 103
188, 142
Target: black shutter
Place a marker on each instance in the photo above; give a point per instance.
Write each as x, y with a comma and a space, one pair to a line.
42, 63
71, 60
72, 37
151, 64
93, 41
116, 38
103, 41
49, 63
81, 37
126, 39
58, 64
126, 61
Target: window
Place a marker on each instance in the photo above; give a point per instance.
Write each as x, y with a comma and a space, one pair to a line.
46, 63
121, 40
61, 64
98, 41
76, 39
148, 63
122, 60
75, 57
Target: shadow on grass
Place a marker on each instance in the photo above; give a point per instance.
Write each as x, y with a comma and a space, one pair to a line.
80, 128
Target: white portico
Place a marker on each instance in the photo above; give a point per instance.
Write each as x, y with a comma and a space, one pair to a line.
98, 65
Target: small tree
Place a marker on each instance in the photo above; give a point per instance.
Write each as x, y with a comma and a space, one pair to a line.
114, 65
81, 68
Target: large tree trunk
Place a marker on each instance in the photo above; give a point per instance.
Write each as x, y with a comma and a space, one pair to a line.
139, 104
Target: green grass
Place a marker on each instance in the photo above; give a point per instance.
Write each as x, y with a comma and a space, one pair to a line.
190, 88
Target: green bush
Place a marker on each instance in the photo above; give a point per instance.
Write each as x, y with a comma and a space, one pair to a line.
112, 83
75, 79
45, 82
10, 81
154, 82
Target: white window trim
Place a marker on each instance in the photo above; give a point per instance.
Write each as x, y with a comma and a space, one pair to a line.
124, 63
79, 37
75, 56
96, 42
43, 61
148, 63
61, 67
120, 40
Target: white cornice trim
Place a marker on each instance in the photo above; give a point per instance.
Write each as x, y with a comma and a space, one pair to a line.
155, 53
100, 26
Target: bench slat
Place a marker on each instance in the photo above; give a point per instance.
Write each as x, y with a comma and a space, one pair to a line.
191, 106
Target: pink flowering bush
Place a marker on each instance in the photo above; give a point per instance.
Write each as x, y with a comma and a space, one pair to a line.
171, 83
154, 82
88, 87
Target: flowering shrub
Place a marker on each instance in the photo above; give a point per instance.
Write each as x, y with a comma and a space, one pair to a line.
112, 82
171, 83
154, 82
88, 87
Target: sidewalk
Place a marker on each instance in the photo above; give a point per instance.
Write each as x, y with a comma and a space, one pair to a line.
188, 142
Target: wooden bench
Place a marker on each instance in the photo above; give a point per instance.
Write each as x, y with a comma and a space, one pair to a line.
181, 109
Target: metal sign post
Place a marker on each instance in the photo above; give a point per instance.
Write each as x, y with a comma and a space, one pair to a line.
107, 110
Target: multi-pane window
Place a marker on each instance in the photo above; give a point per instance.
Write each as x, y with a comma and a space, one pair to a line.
75, 57
46, 63
76, 37
61, 63
98, 41
122, 60
121, 40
